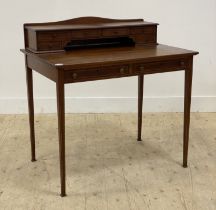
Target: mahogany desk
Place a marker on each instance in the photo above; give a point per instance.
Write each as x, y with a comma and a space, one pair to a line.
105, 63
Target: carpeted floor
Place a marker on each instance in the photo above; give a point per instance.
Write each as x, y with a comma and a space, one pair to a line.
107, 169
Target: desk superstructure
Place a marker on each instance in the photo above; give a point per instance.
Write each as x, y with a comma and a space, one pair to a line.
93, 48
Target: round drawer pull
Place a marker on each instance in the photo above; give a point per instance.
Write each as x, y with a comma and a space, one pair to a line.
122, 70
142, 68
74, 75
182, 63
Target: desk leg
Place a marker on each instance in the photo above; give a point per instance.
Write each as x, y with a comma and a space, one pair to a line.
140, 104
187, 104
29, 82
61, 129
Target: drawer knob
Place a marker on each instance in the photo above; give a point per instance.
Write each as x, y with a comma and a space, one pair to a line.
142, 68
122, 70
74, 75
182, 63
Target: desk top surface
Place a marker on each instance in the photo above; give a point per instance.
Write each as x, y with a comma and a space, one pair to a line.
107, 56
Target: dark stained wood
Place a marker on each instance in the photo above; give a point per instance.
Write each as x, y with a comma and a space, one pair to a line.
187, 105
140, 105
29, 82
110, 56
61, 128
90, 25
54, 36
41, 67
61, 27
84, 20
147, 57
96, 64
81, 75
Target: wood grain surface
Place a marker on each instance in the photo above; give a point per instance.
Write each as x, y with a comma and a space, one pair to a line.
53, 36
107, 56
106, 167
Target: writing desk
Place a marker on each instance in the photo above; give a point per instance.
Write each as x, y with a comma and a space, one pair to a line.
82, 65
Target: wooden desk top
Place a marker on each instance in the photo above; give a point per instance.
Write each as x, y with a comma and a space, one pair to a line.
107, 56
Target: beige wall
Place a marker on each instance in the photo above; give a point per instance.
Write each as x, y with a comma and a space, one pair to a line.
188, 24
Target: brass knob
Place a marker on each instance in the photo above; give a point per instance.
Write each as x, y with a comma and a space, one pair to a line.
142, 68
74, 75
122, 70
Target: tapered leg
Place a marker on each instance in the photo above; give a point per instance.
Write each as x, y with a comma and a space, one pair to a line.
187, 105
29, 82
140, 104
61, 129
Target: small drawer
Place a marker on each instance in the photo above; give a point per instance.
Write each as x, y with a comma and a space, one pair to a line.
144, 38
117, 70
143, 30
49, 45
155, 67
115, 32
85, 34
53, 36
96, 73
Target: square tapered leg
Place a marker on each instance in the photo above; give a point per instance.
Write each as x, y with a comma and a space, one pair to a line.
187, 105
29, 83
61, 129
140, 104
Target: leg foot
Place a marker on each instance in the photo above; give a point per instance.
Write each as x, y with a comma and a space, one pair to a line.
184, 166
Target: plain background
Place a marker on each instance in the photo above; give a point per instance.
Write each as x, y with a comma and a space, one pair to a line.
189, 24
